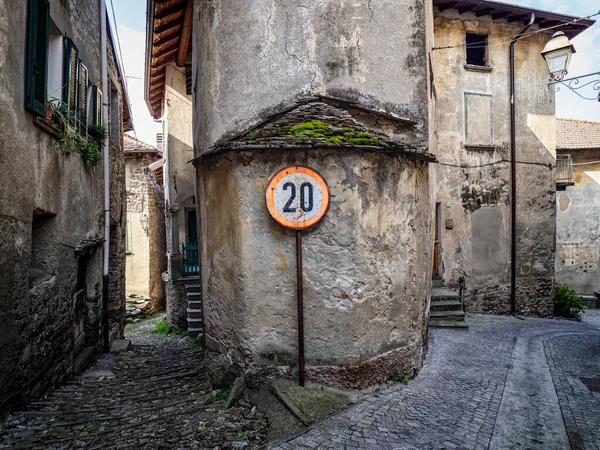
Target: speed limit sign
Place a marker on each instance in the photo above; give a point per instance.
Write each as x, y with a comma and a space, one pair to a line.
297, 197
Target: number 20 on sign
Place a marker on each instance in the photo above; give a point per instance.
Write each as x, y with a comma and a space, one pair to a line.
298, 198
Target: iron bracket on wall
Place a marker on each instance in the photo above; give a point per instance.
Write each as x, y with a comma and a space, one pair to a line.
576, 84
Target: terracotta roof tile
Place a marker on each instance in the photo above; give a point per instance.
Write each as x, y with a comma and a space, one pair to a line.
574, 134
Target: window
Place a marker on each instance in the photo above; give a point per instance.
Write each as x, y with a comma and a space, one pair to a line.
476, 48
37, 56
95, 116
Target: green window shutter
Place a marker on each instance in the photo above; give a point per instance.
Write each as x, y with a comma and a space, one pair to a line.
70, 73
96, 106
82, 104
37, 56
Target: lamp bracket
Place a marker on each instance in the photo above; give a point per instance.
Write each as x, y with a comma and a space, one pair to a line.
575, 84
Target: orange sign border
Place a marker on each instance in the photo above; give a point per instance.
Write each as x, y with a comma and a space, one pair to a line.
270, 196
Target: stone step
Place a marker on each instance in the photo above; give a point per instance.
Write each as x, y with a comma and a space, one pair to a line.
194, 304
444, 294
589, 301
194, 313
195, 324
193, 287
440, 323
193, 295
436, 283
445, 305
195, 332
448, 315
188, 280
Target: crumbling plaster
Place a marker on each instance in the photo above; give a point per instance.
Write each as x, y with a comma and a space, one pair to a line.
471, 180
578, 227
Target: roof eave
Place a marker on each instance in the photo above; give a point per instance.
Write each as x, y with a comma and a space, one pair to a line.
149, 42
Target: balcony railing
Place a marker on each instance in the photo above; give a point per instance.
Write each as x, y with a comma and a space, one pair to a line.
564, 171
190, 260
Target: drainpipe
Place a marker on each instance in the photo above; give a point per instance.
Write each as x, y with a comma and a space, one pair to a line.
105, 165
513, 173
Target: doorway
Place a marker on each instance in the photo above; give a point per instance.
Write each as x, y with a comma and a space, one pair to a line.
437, 244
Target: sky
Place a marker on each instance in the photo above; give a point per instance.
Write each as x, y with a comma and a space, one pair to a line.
131, 25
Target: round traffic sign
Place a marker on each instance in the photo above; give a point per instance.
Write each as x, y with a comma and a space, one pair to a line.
297, 197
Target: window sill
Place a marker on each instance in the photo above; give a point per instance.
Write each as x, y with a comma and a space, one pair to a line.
50, 128
475, 68
478, 147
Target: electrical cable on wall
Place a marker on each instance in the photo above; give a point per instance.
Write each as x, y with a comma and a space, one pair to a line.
506, 39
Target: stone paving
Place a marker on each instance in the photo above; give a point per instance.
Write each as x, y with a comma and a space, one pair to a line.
154, 397
506, 383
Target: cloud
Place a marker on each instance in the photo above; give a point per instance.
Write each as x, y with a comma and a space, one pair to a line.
133, 48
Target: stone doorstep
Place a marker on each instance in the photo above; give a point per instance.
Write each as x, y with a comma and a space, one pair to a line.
590, 301
194, 313
193, 288
450, 315
194, 304
445, 305
439, 323
194, 332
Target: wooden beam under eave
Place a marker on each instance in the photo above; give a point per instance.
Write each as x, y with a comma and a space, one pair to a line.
169, 20
171, 41
161, 7
501, 15
164, 58
483, 12
160, 52
466, 9
186, 33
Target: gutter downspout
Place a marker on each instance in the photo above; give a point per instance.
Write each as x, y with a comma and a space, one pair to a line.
106, 166
513, 172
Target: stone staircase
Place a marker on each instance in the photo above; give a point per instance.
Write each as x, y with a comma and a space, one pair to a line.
446, 310
194, 302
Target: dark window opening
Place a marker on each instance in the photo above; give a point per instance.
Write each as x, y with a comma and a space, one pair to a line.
477, 49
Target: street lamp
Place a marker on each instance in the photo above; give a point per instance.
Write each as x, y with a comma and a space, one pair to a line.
557, 53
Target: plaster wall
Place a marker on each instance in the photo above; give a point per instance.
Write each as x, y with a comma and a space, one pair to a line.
65, 197
366, 268
180, 183
138, 256
473, 174
578, 227
258, 61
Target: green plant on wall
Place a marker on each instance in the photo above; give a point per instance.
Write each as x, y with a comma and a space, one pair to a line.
72, 142
567, 303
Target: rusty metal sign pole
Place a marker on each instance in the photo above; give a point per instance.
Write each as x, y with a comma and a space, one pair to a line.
300, 292
298, 198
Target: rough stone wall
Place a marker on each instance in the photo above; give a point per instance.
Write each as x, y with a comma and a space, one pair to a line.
158, 251
473, 181
51, 218
118, 208
578, 227
366, 268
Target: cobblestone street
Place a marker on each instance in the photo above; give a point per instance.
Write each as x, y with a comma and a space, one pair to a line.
153, 397
504, 384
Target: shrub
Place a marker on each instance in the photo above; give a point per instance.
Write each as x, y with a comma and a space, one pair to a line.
162, 327
567, 303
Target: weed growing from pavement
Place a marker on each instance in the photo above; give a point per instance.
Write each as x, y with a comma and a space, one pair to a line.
180, 332
220, 394
162, 327
405, 379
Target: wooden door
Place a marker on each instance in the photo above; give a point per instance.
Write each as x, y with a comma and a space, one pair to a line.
436, 245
